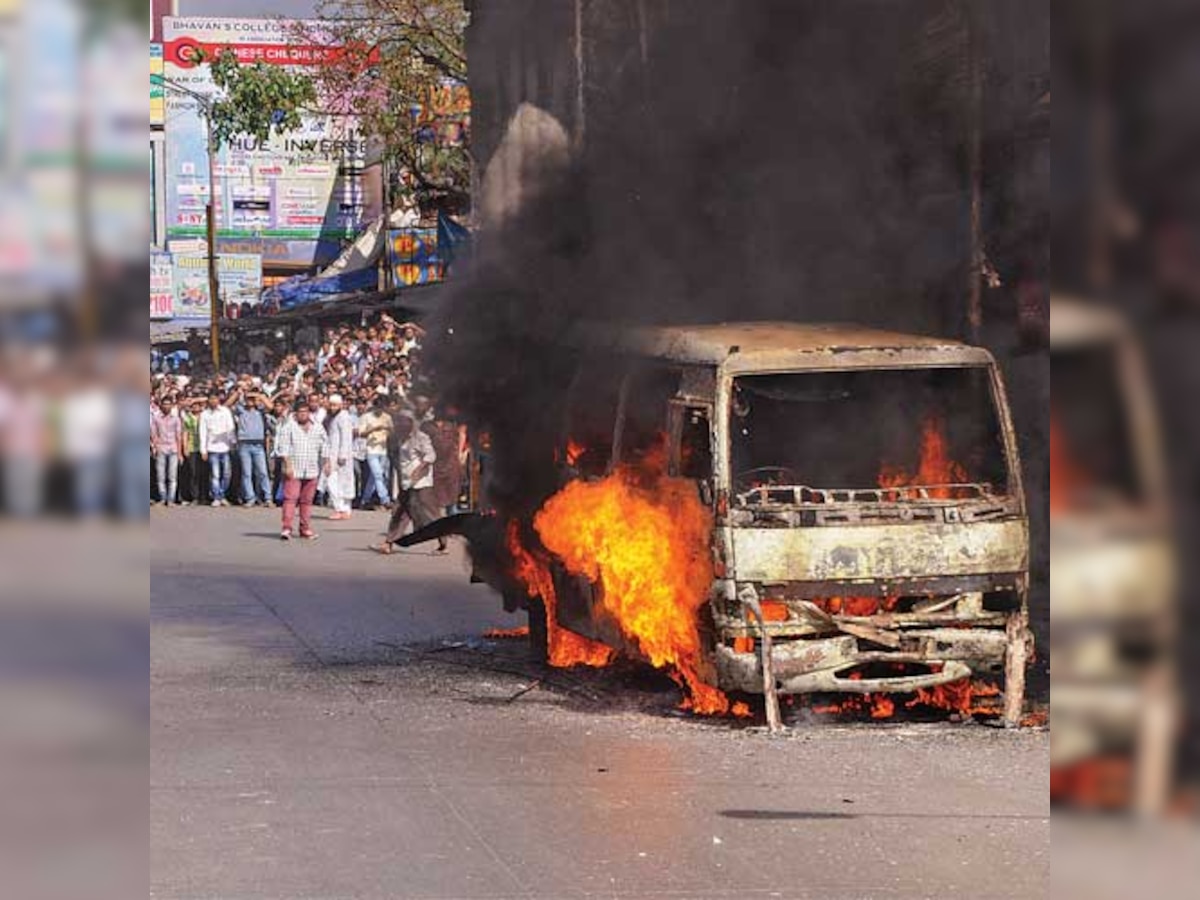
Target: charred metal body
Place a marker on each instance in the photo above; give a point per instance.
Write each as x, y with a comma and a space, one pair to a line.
946, 558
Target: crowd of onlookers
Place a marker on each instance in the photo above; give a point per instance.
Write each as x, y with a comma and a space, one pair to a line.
220, 438
73, 431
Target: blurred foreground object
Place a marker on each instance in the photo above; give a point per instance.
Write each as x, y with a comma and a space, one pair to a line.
74, 709
1115, 859
1113, 608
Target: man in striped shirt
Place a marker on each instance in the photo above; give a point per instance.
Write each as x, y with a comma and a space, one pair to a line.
303, 446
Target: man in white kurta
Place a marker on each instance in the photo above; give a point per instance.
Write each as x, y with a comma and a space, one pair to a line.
340, 427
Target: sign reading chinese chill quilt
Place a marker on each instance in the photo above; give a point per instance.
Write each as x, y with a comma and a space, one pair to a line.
293, 199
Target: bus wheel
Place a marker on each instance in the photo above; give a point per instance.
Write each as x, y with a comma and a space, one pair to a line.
538, 637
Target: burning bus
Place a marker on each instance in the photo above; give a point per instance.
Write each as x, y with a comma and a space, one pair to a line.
1115, 704
778, 509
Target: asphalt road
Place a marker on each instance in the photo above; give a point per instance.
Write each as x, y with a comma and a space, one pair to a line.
327, 723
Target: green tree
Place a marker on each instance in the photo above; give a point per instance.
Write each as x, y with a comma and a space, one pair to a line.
399, 66
257, 99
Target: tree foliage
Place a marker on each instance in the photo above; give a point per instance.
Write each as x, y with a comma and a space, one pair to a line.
399, 66
257, 99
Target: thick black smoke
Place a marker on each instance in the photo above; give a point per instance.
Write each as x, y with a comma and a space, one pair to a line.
782, 160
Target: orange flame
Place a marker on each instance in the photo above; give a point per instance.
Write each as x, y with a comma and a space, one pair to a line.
574, 451
878, 706
564, 648
856, 606
774, 610
882, 706
1098, 783
502, 633
644, 537
934, 468
957, 696
1065, 476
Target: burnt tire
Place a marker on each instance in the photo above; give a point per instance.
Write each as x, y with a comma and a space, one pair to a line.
538, 634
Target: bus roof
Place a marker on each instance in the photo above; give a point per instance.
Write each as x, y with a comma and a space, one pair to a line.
767, 343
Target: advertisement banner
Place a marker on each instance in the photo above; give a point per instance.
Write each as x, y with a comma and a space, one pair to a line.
413, 256
299, 195
162, 297
238, 274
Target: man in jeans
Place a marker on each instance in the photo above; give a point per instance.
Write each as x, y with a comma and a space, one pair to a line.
217, 437
250, 417
166, 440
375, 428
304, 448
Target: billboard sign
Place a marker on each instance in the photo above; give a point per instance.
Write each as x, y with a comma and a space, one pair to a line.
298, 196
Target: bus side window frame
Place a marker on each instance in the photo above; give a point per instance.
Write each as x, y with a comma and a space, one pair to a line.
678, 408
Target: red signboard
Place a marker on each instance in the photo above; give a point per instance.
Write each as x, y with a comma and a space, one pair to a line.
186, 52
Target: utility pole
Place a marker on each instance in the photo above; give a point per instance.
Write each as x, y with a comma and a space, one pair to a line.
210, 216
975, 174
580, 78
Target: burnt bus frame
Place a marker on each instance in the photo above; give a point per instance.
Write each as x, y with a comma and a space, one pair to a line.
706, 379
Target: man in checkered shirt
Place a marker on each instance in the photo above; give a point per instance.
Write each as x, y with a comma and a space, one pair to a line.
303, 445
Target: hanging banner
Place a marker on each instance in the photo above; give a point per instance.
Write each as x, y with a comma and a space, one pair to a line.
299, 195
413, 256
238, 274
162, 297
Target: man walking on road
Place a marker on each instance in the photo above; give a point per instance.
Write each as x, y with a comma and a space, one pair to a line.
251, 419
340, 479
303, 446
166, 439
217, 439
416, 459
448, 469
